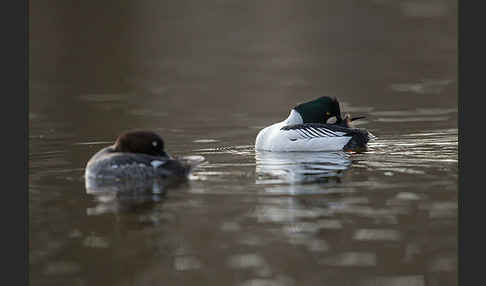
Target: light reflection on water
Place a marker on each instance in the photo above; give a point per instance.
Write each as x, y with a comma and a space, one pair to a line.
337, 221
334, 206
299, 167
417, 153
116, 197
387, 216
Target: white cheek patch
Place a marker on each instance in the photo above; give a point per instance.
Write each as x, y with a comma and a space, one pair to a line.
332, 120
156, 163
154, 143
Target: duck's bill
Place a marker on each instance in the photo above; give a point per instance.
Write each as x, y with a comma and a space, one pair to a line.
356, 118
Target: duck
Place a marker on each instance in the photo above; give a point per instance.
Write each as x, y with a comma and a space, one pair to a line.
316, 125
137, 155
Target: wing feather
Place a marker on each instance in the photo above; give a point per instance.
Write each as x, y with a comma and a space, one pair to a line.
314, 130
301, 134
325, 132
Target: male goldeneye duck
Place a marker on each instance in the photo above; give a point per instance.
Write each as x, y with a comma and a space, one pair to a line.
136, 155
316, 125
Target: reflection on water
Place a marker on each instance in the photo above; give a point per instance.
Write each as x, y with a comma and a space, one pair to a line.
425, 10
424, 87
417, 153
355, 218
100, 187
124, 196
208, 76
418, 115
300, 172
299, 167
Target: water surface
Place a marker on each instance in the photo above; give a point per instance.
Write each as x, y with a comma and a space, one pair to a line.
207, 76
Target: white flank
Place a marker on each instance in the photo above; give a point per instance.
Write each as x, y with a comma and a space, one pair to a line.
272, 138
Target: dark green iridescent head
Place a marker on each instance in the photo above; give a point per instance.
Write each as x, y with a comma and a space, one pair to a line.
319, 110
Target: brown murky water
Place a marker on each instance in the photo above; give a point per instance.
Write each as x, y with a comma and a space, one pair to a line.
207, 75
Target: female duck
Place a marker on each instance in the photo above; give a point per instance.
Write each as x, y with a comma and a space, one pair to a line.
316, 125
136, 155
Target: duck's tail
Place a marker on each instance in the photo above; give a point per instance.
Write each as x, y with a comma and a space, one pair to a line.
191, 162
371, 136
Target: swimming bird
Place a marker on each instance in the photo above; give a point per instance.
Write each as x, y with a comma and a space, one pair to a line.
137, 154
315, 125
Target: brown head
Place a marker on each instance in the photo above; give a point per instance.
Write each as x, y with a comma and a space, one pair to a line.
140, 141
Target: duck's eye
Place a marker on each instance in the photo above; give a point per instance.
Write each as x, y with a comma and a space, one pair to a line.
154, 143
